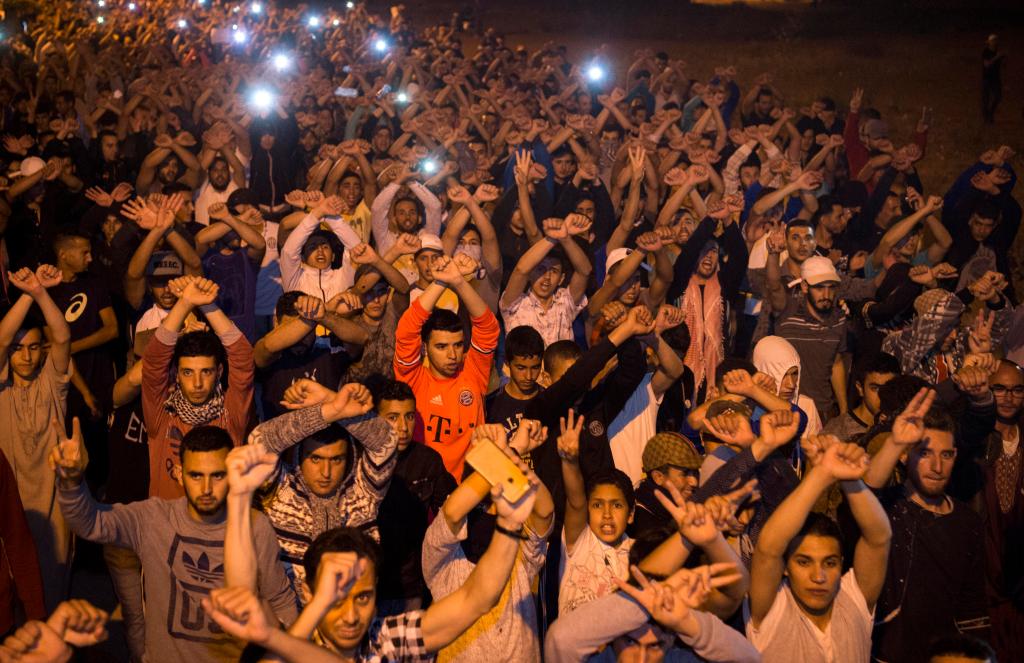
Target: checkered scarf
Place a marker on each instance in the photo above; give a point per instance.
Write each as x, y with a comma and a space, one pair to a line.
195, 415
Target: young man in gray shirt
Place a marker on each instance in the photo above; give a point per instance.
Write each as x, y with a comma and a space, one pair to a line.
180, 543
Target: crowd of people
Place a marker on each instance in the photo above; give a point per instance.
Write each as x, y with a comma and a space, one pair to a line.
345, 341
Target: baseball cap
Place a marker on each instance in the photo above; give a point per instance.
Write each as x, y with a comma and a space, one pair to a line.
817, 270
164, 266
617, 256
31, 166
430, 242
670, 448
876, 129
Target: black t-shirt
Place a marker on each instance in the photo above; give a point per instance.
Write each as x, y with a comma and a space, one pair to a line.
319, 365
417, 492
81, 301
505, 410
129, 455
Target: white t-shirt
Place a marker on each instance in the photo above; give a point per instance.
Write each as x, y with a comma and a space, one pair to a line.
589, 569
787, 635
151, 319
633, 427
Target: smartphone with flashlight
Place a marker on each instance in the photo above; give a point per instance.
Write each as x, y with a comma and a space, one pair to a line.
491, 462
428, 166
346, 92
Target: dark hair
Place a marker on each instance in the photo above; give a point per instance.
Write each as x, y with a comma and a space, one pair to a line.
199, 344
64, 240
172, 188
204, 438
560, 351
817, 524
961, 645
107, 132
442, 320
392, 390
523, 341
798, 223
286, 303
880, 362
616, 478
420, 210
896, 394
678, 338
340, 539
333, 433
986, 209
563, 151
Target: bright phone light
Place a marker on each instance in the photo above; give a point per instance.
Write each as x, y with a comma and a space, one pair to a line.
595, 72
335, 22
256, 8
131, 6
402, 98
182, 23
313, 21
100, 19
239, 37
350, 4
380, 45
101, 3
429, 166
262, 99
282, 62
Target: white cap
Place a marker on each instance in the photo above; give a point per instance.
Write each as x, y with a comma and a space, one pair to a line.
617, 256
817, 270
31, 166
430, 242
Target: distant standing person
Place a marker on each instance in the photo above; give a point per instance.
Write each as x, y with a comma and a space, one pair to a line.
992, 61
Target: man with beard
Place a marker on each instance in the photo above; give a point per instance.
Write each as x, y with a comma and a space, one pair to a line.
1004, 510
817, 328
935, 583
170, 161
221, 181
180, 543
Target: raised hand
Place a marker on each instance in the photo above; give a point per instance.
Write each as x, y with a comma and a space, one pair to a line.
35, 642
50, 276
693, 520
528, 436
555, 228
649, 241
614, 313
305, 393
444, 269
668, 317
466, 265
640, 320
486, 193
980, 338
70, 458
738, 381
79, 623
724, 508
249, 467
240, 613
845, 461
363, 254
921, 274
973, 381
200, 292
512, 515
731, 428
345, 304
779, 427
908, 427
815, 446
568, 442
766, 382
310, 308
121, 192
352, 400
99, 196
670, 602
577, 224
338, 572
408, 244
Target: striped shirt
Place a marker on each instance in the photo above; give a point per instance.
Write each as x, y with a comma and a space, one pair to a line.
818, 342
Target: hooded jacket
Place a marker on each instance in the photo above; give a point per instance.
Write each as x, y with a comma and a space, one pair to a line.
774, 356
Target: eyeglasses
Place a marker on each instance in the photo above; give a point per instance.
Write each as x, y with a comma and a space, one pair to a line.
1002, 389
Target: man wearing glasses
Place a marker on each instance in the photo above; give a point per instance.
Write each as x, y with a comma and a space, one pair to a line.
1004, 509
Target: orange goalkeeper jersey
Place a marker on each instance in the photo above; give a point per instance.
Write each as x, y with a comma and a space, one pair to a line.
448, 408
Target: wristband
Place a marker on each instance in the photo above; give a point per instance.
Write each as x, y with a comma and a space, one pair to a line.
208, 308
511, 533
441, 283
554, 242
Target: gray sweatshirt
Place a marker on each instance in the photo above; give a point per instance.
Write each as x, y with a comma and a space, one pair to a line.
580, 634
182, 560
